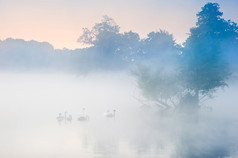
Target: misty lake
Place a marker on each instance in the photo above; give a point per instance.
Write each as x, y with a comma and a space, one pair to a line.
30, 103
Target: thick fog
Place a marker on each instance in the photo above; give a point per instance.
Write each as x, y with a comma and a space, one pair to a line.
31, 102
122, 95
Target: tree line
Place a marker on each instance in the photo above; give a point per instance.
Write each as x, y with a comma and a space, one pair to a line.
170, 74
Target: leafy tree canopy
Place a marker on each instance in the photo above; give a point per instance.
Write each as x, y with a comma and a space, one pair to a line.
111, 48
198, 71
205, 67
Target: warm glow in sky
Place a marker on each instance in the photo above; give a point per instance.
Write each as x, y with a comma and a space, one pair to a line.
60, 22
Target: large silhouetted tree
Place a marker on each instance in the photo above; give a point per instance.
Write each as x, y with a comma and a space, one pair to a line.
205, 67
185, 80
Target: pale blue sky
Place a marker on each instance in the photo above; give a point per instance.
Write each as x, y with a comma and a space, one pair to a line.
60, 22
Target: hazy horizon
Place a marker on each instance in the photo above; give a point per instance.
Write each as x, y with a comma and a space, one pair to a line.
135, 92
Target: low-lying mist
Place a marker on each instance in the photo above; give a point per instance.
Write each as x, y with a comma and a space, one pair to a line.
31, 102
123, 96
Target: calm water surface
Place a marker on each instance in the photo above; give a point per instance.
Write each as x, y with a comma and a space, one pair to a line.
30, 103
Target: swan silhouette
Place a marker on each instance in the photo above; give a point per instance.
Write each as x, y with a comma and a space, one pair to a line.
110, 114
60, 118
82, 116
66, 118
69, 118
